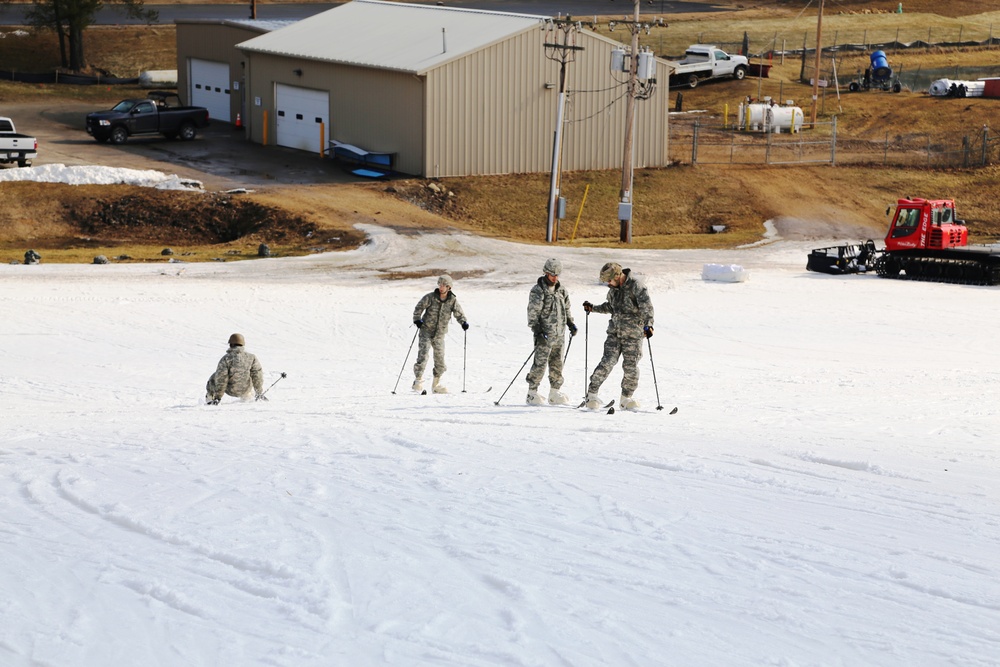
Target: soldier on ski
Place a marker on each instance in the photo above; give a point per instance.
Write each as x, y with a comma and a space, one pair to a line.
239, 374
431, 316
548, 315
631, 312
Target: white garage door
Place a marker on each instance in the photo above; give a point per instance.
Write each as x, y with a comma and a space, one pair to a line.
210, 88
303, 118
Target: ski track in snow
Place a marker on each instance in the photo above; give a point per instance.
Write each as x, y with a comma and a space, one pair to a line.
826, 495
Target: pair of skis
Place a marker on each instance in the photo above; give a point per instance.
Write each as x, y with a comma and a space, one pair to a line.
610, 407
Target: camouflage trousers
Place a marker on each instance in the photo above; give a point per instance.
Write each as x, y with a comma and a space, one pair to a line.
423, 351
548, 352
630, 350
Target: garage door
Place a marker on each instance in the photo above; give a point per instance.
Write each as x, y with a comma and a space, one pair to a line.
210, 88
303, 116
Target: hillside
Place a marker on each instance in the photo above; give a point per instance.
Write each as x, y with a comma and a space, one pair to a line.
674, 207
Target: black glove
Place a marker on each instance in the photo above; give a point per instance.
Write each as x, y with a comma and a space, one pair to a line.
214, 401
465, 326
262, 397
588, 306
648, 331
572, 328
419, 323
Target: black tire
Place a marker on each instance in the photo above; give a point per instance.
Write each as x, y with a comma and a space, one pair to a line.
897, 87
24, 163
740, 73
170, 135
102, 139
854, 87
692, 81
187, 131
119, 135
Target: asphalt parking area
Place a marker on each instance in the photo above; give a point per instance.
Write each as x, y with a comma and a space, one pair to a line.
219, 157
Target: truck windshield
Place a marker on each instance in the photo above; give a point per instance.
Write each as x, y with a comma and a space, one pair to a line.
906, 222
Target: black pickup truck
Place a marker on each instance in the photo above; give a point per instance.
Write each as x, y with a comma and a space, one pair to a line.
159, 113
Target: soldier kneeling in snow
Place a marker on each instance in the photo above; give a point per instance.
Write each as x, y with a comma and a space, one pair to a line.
239, 374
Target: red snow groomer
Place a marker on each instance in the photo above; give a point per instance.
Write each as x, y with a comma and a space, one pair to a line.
926, 241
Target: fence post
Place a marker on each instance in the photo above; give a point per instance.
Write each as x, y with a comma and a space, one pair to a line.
767, 151
694, 142
986, 143
833, 142
895, 44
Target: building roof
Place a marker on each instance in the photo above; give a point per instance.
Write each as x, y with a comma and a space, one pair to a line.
391, 35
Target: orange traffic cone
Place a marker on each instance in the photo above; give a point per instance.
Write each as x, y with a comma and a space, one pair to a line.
239, 121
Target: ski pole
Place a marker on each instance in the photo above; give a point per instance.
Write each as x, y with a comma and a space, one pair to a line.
586, 347
515, 377
465, 353
283, 376
653, 366
406, 359
568, 345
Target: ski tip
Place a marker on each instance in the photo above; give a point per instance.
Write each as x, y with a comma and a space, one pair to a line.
611, 411
674, 411
423, 393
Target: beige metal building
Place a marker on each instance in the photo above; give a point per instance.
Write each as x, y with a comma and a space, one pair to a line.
210, 69
445, 92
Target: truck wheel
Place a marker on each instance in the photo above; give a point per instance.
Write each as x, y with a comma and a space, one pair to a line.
119, 136
188, 132
101, 139
24, 163
739, 73
693, 81
896, 87
854, 87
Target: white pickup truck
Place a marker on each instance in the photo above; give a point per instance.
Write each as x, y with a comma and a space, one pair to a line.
14, 147
706, 61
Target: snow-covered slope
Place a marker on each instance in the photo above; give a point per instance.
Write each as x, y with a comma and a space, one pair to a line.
827, 493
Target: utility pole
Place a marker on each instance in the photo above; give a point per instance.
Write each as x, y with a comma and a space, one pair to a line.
819, 50
640, 67
561, 47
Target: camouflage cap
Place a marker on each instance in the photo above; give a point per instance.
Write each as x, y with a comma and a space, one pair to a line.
552, 266
236, 339
610, 271
445, 279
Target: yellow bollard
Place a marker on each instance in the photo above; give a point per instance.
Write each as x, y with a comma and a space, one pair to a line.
586, 190
264, 138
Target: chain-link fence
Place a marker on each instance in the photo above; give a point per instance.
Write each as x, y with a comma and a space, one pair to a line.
697, 142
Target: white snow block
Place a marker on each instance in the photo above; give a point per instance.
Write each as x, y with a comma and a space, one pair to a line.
158, 78
725, 273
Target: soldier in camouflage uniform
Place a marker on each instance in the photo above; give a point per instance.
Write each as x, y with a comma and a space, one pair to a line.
239, 374
548, 315
431, 316
631, 312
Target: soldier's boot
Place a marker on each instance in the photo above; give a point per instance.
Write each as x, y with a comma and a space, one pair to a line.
594, 401
418, 385
629, 403
438, 387
534, 398
556, 397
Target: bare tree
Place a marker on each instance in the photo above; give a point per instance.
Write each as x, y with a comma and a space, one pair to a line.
69, 18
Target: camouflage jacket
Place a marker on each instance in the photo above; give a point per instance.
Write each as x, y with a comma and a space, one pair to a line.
435, 313
237, 372
630, 307
548, 307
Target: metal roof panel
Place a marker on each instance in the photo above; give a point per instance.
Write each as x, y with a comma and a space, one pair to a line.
391, 35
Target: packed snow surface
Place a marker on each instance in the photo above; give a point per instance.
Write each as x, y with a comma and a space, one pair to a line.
827, 493
92, 175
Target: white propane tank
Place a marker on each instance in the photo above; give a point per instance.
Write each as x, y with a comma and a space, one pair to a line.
784, 118
753, 115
